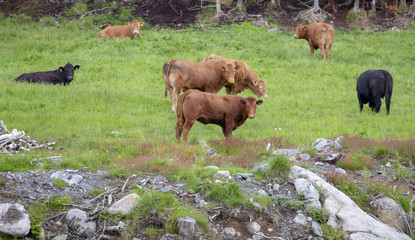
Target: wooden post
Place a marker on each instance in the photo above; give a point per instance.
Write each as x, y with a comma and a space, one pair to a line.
186, 227
218, 6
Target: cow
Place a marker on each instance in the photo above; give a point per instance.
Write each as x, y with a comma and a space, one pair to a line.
132, 30
318, 35
180, 75
62, 75
373, 85
227, 111
245, 78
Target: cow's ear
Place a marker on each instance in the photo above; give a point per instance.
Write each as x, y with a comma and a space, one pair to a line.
255, 83
237, 67
242, 101
142, 23
76, 67
259, 102
305, 28
293, 28
223, 68
61, 69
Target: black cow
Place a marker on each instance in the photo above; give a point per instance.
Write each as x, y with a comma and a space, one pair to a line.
62, 75
373, 85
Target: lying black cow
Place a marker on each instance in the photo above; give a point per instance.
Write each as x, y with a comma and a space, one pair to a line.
62, 75
373, 85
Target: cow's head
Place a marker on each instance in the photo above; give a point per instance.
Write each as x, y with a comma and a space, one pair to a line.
300, 31
250, 106
135, 27
68, 71
229, 72
259, 88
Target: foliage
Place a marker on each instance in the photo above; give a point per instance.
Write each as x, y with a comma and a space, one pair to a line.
77, 8
37, 212
59, 183
58, 202
358, 161
280, 167
230, 194
320, 216
331, 234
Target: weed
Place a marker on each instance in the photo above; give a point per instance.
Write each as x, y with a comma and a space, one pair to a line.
37, 212
95, 192
59, 202
280, 167
331, 234
358, 161
294, 204
230, 194
59, 183
320, 216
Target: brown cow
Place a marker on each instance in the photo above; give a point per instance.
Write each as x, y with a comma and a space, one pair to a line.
227, 111
132, 30
318, 35
182, 75
245, 78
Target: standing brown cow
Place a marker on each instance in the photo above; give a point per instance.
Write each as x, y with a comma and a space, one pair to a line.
245, 78
180, 75
318, 35
132, 30
227, 111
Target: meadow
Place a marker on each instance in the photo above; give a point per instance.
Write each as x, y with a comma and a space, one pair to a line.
117, 95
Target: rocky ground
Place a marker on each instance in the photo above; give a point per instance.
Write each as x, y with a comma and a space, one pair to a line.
281, 220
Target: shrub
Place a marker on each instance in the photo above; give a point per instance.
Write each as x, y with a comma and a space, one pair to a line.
59, 183
37, 213
230, 194
318, 215
77, 8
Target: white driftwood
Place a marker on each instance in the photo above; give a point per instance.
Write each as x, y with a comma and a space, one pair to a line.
17, 141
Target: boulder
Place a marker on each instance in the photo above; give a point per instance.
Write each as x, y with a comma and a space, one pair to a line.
390, 212
125, 205
78, 223
14, 220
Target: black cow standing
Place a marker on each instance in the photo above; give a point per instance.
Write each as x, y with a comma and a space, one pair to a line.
373, 85
62, 75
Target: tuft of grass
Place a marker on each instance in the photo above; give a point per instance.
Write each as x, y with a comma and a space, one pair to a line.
59, 202
59, 183
230, 194
280, 167
319, 216
37, 212
357, 161
331, 234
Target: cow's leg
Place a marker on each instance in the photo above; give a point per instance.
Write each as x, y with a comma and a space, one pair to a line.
179, 128
227, 129
312, 51
388, 104
333, 6
186, 129
360, 97
378, 103
174, 97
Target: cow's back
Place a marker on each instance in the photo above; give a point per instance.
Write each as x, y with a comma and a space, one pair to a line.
121, 31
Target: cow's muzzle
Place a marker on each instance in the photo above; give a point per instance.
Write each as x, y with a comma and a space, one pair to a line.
231, 80
135, 32
251, 116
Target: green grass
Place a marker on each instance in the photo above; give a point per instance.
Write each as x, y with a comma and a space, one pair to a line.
119, 87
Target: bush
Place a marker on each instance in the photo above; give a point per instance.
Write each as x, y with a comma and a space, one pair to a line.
77, 8
48, 22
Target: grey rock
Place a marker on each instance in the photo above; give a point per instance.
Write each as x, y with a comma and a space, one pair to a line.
60, 237
305, 156
168, 236
315, 227
78, 223
159, 178
211, 152
389, 212
244, 175
14, 220
319, 144
221, 175
276, 187
101, 173
125, 205
69, 178
302, 186
212, 167
261, 167
261, 192
165, 189
253, 227
288, 152
333, 157
229, 231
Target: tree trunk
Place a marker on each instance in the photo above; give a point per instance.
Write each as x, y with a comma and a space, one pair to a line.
402, 4
279, 3
272, 2
316, 6
373, 5
240, 4
218, 6
356, 6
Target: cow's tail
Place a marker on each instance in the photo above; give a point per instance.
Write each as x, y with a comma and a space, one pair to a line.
180, 114
166, 72
388, 80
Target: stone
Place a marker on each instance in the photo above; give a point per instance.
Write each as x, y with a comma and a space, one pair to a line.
229, 231
221, 175
319, 144
302, 186
305, 157
288, 152
253, 227
333, 157
14, 220
212, 167
315, 227
186, 227
78, 224
60, 237
300, 228
261, 167
211, 152
389, 212
344, 214
125, 205
261, 192
69, 178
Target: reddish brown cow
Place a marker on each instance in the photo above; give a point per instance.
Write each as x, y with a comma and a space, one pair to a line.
181, 75
318, 35
132, 30
227, 111
245, 78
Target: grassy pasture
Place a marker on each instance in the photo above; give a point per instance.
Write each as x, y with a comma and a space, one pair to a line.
119, 87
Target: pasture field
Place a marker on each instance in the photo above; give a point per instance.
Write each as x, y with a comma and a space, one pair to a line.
117, 95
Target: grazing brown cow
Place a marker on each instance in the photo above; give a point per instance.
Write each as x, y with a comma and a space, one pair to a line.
318, 35
245, 78
227, 111
132, 30
180, 75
